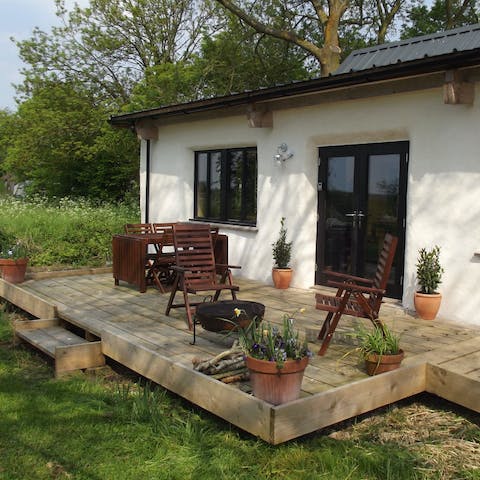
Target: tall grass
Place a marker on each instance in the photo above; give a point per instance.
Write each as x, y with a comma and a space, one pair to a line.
66, 232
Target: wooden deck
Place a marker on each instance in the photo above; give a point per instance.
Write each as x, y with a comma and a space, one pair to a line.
131, 328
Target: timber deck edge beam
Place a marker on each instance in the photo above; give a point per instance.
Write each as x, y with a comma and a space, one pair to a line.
346, 402
454, 387
27, 301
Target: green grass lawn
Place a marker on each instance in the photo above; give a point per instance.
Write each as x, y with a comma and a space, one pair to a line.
112, 426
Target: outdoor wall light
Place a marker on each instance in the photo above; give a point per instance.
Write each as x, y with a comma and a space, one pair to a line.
282, 153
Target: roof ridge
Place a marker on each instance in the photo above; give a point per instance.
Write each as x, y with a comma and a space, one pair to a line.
421, 38
424, 46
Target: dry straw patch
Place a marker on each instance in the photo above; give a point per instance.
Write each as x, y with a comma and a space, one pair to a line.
447, 442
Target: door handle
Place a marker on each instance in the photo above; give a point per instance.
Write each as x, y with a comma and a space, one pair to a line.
357, 216
360, 215
354, 217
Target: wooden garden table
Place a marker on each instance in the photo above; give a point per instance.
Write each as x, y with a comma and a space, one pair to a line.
130, 253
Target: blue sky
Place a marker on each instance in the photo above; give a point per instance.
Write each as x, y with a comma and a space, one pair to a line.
18, 18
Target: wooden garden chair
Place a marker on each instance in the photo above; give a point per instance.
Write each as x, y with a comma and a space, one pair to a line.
360, 297
156, 263
195, 268
144, 229
162, 263
138, 228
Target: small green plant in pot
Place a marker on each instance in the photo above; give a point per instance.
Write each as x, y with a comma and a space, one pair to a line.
380, 348
282, 251
13, 258
429, 276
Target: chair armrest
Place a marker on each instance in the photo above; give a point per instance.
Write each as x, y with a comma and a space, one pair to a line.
352, 287
222, 265
346, 276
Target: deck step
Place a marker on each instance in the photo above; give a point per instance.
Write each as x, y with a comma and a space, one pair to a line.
70, 351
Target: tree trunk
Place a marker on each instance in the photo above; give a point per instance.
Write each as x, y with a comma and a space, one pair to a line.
330, 60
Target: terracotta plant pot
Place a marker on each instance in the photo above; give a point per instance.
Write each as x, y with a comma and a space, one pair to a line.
13, 271
376, 364
282, 277
275, 385
427, 304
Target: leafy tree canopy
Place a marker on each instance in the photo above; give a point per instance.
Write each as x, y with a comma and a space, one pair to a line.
442, 15
108, 46
317, 26
62, 145
129, 55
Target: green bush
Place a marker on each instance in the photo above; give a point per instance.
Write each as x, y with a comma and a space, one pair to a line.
66, 232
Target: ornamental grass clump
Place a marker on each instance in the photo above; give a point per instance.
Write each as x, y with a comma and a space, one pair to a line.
429, 270
377, 341
273, 343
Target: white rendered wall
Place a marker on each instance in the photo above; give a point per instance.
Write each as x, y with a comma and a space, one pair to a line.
443, 198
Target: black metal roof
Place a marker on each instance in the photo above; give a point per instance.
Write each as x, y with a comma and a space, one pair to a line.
442, 43
420, 55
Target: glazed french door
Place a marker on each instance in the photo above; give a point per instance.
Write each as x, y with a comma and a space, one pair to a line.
361, 196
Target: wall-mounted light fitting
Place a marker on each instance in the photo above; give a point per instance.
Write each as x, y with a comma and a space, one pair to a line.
282, 153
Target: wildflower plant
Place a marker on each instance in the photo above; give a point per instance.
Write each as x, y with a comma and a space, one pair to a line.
65, 232
273, 343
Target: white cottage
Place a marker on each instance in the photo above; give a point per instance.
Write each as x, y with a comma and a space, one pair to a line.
391, 142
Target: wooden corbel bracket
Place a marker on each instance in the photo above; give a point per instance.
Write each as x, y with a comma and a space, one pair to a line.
457, 91
259, 117
146, 130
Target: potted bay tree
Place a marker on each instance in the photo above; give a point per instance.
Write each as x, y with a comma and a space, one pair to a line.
429, 275
282, 251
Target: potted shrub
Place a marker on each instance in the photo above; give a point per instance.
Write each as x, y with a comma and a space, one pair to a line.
276, 358
281, 272
13, 258
380, 348
429, 275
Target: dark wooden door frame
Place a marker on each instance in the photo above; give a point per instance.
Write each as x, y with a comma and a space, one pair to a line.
363, 151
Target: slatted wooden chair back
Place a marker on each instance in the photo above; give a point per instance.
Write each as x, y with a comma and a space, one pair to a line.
162, 262
360, 297
195, 268
194, 253
166, 229
214, 233
382, 273
138, 228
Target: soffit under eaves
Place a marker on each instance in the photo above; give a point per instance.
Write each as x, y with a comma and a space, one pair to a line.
368, 90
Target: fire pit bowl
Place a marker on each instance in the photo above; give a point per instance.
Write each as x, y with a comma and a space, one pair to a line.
219, 316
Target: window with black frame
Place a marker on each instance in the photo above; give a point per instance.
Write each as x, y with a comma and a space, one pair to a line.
226, 185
